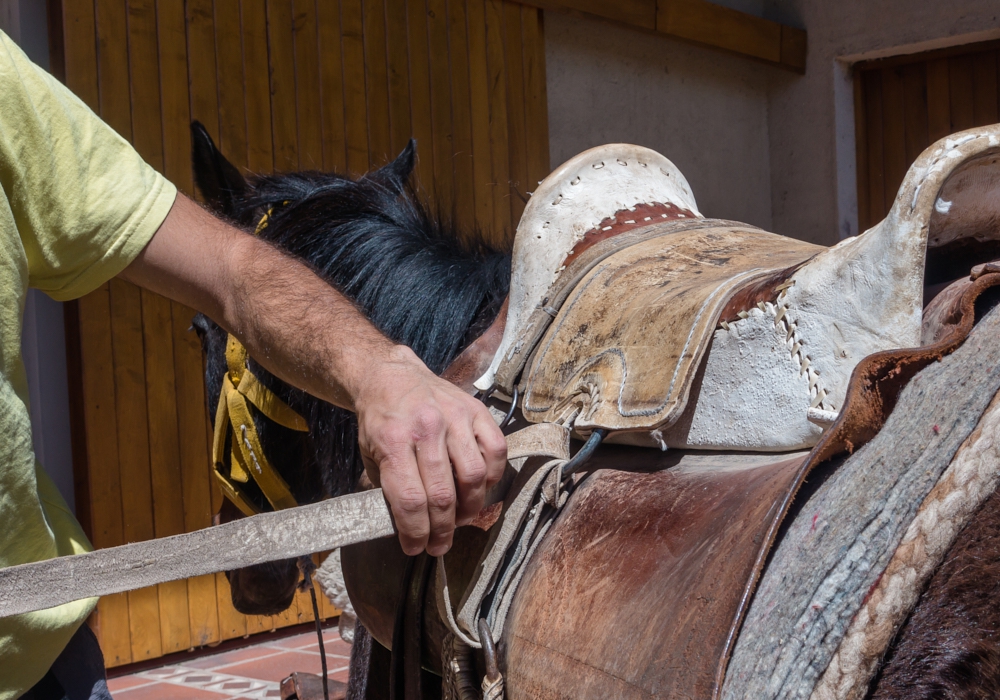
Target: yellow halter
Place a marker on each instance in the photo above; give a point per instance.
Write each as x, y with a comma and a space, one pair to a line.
234, 418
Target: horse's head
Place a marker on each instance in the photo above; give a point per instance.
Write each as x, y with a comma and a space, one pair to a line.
416, 280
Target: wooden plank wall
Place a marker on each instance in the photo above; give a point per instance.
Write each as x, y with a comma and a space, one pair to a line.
904, 104
283, 85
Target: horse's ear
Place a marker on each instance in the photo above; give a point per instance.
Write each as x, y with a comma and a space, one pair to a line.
395, 174
219, 181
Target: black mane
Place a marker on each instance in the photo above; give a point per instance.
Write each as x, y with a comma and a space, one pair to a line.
416, 279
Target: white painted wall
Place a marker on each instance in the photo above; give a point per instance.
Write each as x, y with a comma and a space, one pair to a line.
43, 343
704, 110
758, 144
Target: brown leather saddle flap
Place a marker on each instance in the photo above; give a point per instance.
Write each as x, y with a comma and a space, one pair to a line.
625, 344
633, 595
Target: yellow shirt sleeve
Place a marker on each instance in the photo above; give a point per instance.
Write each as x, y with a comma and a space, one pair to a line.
85, 204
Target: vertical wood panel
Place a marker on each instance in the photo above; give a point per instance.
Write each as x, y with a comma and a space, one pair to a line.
893, 136
905, 104
420, 96
536, 117
376, 83
260, 155
355, 101
280, 85
984, 86
517, 146
876, 179
461, 110
938, 101
282, 71
307, 90
479, 96
400, 129
497, 80
440, 84
332, 87
232, 133
915, 110
961, 93
861, 149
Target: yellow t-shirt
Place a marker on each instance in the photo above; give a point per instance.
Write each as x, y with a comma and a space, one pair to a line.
77, 205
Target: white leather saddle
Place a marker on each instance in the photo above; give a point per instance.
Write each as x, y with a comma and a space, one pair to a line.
630, 311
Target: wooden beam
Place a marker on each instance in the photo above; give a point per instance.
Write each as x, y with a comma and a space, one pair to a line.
700, 22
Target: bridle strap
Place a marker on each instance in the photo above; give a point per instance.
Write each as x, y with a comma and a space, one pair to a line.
234, 421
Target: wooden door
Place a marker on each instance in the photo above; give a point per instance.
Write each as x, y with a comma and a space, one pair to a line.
282, 85
904, 104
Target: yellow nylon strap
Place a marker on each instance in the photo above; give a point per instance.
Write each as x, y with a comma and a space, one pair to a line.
268, 403
235, 495
245, 435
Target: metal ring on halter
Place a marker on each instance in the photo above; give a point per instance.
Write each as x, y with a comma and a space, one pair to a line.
484, 396
510, 412
584, 454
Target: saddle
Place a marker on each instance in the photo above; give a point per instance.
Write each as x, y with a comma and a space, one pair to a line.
665, 329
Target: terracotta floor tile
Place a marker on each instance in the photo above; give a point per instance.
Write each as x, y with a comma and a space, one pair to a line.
231, 657
125, 682
275, 668
166, 691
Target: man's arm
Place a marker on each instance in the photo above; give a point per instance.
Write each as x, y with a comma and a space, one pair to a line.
423, 434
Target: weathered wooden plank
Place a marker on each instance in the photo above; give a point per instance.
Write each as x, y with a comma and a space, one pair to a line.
849, 527
329, 524
201, 63
861, 149
175, 107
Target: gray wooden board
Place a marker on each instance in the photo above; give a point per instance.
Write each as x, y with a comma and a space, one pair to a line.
844, 535
289, 533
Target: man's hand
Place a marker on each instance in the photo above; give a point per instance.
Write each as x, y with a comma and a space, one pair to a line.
434, 450
420, 436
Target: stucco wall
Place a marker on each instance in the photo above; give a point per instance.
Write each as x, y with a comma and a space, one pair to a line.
704, 110
758, 144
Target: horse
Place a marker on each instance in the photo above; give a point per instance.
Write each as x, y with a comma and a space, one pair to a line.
360, 235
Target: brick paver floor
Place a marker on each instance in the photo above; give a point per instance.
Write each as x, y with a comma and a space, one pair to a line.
253, 671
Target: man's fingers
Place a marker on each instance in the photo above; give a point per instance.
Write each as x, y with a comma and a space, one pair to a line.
404, 489
470, 472
492, 445
439, 483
